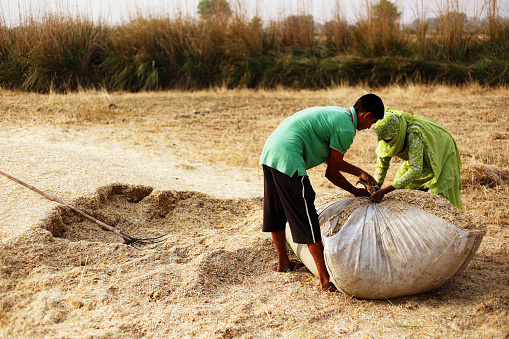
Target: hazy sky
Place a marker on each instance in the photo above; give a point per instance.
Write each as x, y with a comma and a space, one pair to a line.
116, 11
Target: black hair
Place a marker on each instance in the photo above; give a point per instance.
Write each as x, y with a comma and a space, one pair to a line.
370, 103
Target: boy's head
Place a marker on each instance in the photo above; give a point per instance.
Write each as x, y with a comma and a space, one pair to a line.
370, 103
369, 109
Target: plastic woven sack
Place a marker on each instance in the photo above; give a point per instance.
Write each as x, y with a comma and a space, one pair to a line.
395, 248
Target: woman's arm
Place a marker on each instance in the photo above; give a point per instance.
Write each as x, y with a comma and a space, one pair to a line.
413, 167
410, 170
382, 166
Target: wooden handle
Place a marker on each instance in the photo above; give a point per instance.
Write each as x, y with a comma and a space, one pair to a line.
49, 197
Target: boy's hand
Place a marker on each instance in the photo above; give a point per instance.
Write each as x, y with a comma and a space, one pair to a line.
368, 180
362, 192
370, 183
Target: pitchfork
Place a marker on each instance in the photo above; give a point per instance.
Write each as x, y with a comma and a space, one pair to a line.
134, 242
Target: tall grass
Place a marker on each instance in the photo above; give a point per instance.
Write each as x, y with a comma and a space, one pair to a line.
492, 62
62, 53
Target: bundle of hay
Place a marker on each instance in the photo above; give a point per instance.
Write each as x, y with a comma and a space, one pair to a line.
480, 174
409, 243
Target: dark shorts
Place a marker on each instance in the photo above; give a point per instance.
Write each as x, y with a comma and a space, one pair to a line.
292, 200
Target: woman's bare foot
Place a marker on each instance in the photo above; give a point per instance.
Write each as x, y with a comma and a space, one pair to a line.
329, 287
290, 267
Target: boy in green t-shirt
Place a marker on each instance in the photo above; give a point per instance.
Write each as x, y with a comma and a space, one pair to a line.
304, 140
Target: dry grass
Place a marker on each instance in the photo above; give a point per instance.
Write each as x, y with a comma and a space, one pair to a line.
214, 277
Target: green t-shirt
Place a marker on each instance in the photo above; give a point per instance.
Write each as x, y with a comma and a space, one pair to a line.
304, 140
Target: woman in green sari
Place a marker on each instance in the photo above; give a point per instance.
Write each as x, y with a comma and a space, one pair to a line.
431, 156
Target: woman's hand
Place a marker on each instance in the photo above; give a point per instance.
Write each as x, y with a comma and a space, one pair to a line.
379, 195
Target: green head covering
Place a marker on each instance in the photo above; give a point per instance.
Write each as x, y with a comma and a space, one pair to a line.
391, 133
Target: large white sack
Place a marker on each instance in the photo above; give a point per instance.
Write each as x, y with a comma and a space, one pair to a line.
394, 248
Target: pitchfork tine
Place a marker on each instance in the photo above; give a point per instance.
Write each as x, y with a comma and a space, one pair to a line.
140, 243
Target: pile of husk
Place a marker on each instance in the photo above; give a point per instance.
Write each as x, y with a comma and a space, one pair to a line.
400, 200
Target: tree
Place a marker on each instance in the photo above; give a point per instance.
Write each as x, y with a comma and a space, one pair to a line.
380, 32
452, 20
213, 8
385, 11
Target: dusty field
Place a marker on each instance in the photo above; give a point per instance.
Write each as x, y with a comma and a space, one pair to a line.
187, 164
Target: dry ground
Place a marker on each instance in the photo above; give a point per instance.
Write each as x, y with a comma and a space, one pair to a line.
187, 163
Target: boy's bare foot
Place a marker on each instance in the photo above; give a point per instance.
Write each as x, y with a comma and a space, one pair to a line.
292, 266
329, 287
